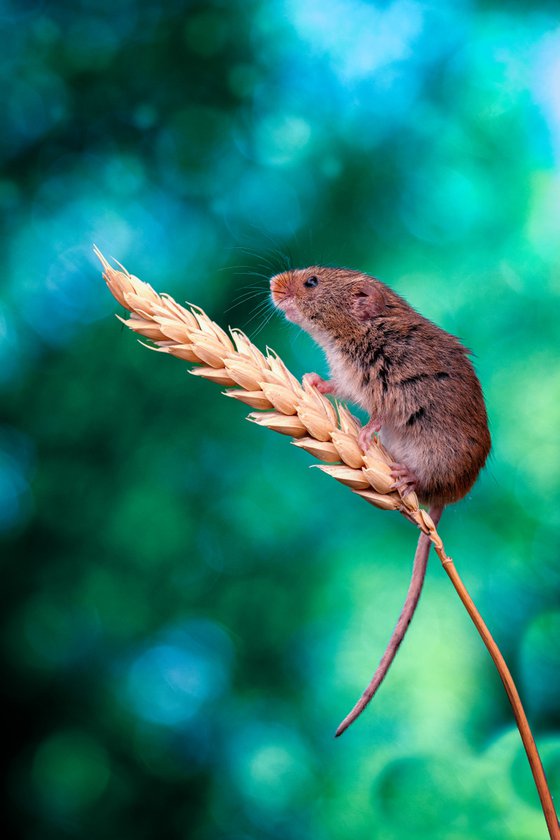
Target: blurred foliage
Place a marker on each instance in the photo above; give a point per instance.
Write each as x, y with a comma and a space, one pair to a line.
188, 611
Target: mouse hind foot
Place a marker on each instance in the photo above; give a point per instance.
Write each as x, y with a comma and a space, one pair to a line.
405, 479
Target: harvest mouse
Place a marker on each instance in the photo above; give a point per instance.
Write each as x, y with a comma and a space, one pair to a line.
415, 381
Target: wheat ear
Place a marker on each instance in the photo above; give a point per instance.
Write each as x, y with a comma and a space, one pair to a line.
329, 433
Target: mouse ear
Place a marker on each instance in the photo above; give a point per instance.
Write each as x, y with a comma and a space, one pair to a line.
368, 301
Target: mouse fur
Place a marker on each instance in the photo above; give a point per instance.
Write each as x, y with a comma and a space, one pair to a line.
410, 375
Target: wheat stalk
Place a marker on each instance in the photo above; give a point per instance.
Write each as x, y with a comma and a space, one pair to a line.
329, 433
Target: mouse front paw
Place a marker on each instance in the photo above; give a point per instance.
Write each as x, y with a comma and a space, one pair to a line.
324, 386
364, 436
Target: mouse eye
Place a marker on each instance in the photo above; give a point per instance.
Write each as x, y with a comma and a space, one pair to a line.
311, 282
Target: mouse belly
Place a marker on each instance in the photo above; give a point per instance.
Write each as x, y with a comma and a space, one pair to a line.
441, 477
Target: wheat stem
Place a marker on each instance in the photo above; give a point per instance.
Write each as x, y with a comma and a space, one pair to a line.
329, 433
535, 762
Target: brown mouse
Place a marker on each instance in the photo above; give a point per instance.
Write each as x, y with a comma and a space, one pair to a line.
415, 381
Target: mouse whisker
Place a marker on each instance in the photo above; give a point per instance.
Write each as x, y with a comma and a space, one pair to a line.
241, 271
264, 260
260, 289
266, 320
262, 309
283, 256
244, 299
259, 255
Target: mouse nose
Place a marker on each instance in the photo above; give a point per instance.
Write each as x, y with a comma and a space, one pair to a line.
278, 287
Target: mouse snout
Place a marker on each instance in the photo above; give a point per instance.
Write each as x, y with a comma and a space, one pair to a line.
283, 295
280, 288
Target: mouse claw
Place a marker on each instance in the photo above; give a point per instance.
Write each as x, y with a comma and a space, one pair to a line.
366, 432
405, 479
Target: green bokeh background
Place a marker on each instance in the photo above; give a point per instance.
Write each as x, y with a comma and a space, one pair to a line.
188, 611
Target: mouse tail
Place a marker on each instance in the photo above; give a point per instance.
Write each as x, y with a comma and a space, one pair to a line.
410, 604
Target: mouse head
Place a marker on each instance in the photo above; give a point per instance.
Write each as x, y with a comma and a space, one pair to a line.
327, 300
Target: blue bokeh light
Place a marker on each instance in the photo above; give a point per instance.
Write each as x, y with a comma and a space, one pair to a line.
172, 679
